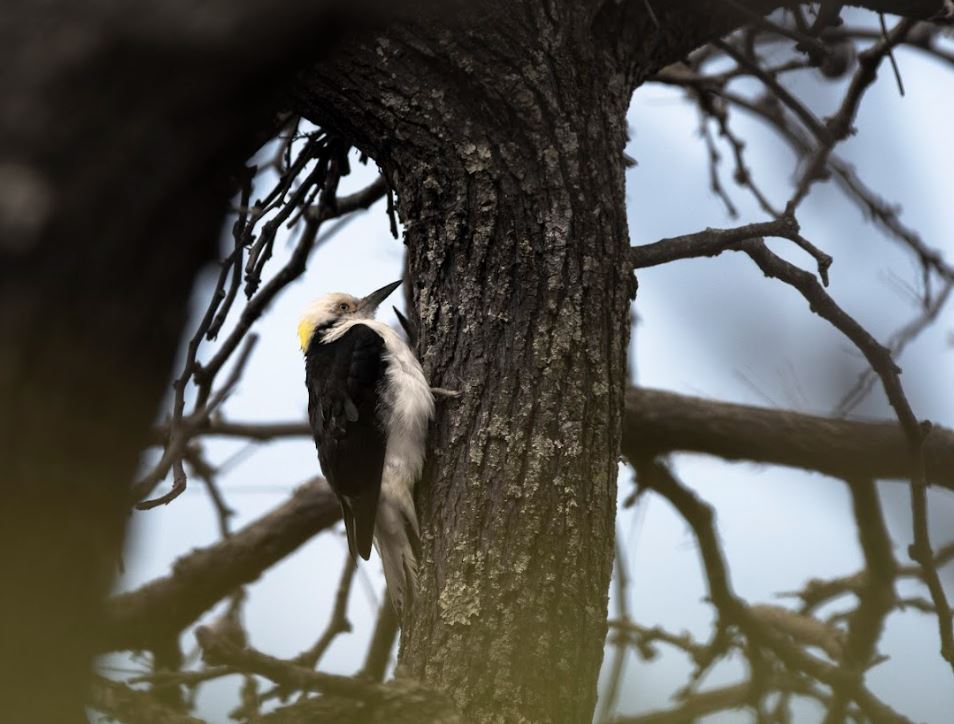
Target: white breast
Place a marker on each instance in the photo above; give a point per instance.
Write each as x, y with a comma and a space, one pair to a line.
406, 408
407, 404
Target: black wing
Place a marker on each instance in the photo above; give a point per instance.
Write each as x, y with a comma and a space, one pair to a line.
344, 380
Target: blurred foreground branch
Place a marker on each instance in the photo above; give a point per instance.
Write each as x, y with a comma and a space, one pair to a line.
164, 607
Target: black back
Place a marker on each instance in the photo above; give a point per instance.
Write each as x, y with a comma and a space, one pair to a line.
344, 379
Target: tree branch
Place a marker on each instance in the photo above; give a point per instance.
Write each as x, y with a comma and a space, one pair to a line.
219, 651
712, 242
660, 422
165, 606
122, 703
361, 699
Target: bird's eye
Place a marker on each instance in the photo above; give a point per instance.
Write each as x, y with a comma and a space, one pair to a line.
343, 307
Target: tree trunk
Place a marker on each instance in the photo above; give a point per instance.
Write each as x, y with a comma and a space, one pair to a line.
523, 296
506, 155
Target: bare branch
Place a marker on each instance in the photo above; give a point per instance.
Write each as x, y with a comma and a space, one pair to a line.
725, 698
660, 422
400, 701
818, 129
180, 433
839, 126
644, 637
219, 651
881, 361
338, 623
877, 597
165, 606
713, 242
382, 641
818, 592
122, 703
803, 628
732, 609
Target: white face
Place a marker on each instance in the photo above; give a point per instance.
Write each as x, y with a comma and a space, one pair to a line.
329, 308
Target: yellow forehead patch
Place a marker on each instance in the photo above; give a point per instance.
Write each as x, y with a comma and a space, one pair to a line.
305, 330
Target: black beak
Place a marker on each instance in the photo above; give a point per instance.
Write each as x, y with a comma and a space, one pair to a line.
371, 302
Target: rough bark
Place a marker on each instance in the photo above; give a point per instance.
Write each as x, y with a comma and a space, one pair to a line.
504, 145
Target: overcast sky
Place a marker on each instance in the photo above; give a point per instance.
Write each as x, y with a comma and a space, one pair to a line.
715, 328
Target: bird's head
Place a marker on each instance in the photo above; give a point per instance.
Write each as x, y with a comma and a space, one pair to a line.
339, 307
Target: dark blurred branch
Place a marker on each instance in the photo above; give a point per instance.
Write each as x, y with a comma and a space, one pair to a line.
118, 701
876, 595
164, 607
840, 124
761, 636
399, 701
219, 651
180, 433
378, 657
818, 592
660, 422
124, 129
724, 698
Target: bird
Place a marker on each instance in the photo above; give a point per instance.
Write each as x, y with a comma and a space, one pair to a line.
369, 406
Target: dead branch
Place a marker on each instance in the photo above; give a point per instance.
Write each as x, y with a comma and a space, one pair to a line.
805, 629
712, 242
399, 701
219, 651
733, 610
382, 641
724, 698
164, 607
660, 422
122, 703
818, 592
876, 596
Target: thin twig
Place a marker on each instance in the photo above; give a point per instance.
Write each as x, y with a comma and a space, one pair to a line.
180, 436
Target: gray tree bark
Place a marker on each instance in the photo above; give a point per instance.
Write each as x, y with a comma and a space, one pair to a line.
504, 146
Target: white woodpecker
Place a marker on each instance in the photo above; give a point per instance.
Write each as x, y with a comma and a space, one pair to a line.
369, 406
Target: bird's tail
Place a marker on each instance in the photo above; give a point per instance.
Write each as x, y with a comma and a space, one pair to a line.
397, 538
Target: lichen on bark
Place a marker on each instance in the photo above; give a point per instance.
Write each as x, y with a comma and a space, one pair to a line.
504, 147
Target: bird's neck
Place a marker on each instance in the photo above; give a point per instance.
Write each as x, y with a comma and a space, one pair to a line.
310, 332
